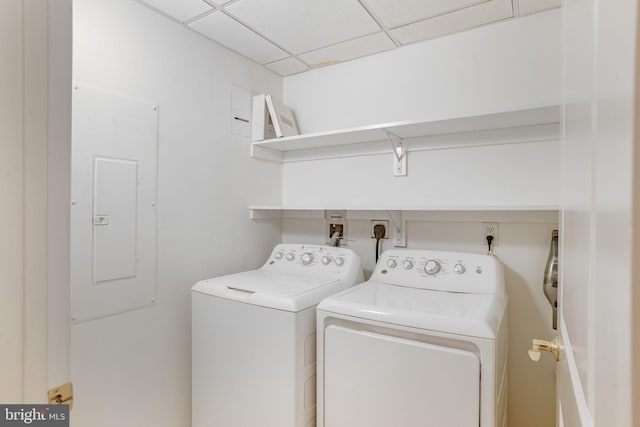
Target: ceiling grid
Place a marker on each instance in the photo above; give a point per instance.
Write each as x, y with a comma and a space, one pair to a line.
294, 36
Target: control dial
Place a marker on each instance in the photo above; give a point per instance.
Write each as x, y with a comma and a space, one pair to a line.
325, 260
306, 258
432, 267
407, 265
391, 263
279, 255
339, 261
458, 268
290, 256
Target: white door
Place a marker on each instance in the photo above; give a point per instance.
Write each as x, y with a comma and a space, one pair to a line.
35, 52
595, 384
60, 29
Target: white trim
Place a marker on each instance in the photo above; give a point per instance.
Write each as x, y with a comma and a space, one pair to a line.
586, 418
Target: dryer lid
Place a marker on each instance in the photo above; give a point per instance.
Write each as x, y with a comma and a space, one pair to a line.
271, 289
475, 315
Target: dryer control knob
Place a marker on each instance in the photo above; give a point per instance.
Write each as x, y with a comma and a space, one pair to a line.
458, 268
339, 261
291, 256
306, 258
407, 265
391, 263
325, 260
279, 255
431, 267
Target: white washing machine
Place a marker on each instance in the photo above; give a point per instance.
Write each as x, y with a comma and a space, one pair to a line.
422, 343
254, 338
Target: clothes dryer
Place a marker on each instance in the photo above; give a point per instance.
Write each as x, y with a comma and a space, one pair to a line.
422, 343
254, 337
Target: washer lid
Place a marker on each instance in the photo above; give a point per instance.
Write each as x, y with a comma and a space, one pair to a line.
271, 289
476, 315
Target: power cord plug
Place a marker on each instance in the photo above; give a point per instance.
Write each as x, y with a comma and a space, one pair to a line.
378, 232
489, 241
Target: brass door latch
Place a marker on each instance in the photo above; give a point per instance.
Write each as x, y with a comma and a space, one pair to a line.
542, 345
62, 395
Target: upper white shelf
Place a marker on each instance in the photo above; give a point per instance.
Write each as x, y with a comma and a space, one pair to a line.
516, 125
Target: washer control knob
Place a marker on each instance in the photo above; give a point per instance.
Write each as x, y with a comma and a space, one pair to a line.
391, 263
431, 267
339, 261
279, 255
458, 268
325, 260
407, 265
290, 256
306, 258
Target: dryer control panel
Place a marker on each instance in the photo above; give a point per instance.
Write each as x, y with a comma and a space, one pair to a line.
441, 271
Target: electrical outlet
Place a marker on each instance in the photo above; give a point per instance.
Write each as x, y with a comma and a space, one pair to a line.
383, 222
491, 229
336, 223
336, 228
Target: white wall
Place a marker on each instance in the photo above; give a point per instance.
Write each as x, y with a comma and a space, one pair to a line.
498, 67
502, 66
476, 176
133, 369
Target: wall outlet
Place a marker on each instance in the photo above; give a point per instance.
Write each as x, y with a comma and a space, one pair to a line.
336, 222
336, 228
383, 222
491, 229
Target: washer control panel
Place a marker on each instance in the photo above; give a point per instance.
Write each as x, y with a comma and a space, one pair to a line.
440, 270
312, 259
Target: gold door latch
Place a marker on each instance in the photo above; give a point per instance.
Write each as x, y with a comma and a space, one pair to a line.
62, 395
542, 345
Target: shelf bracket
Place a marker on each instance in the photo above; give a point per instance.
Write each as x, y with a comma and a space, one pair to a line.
399, 233
399, 153
396, 142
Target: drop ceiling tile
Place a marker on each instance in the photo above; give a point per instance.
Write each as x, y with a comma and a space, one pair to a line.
304, 25
528, 7
237, 37
463, 19
288, 66
401, 12
182, 10
351, 49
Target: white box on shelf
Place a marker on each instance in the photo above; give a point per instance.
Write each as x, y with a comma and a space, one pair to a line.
261, 123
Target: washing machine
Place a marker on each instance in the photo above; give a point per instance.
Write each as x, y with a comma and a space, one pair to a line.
254, 337
422, 343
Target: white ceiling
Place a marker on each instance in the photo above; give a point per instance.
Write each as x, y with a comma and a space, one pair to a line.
293, 36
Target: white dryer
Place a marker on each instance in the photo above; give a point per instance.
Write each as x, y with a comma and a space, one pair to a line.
254, 338
422, 343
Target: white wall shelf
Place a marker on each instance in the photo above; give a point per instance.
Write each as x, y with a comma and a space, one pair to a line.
518, 214
515, 126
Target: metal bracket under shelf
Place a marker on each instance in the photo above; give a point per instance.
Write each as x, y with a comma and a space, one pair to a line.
399, 153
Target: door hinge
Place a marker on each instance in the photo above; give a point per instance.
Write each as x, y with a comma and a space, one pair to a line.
62, 395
